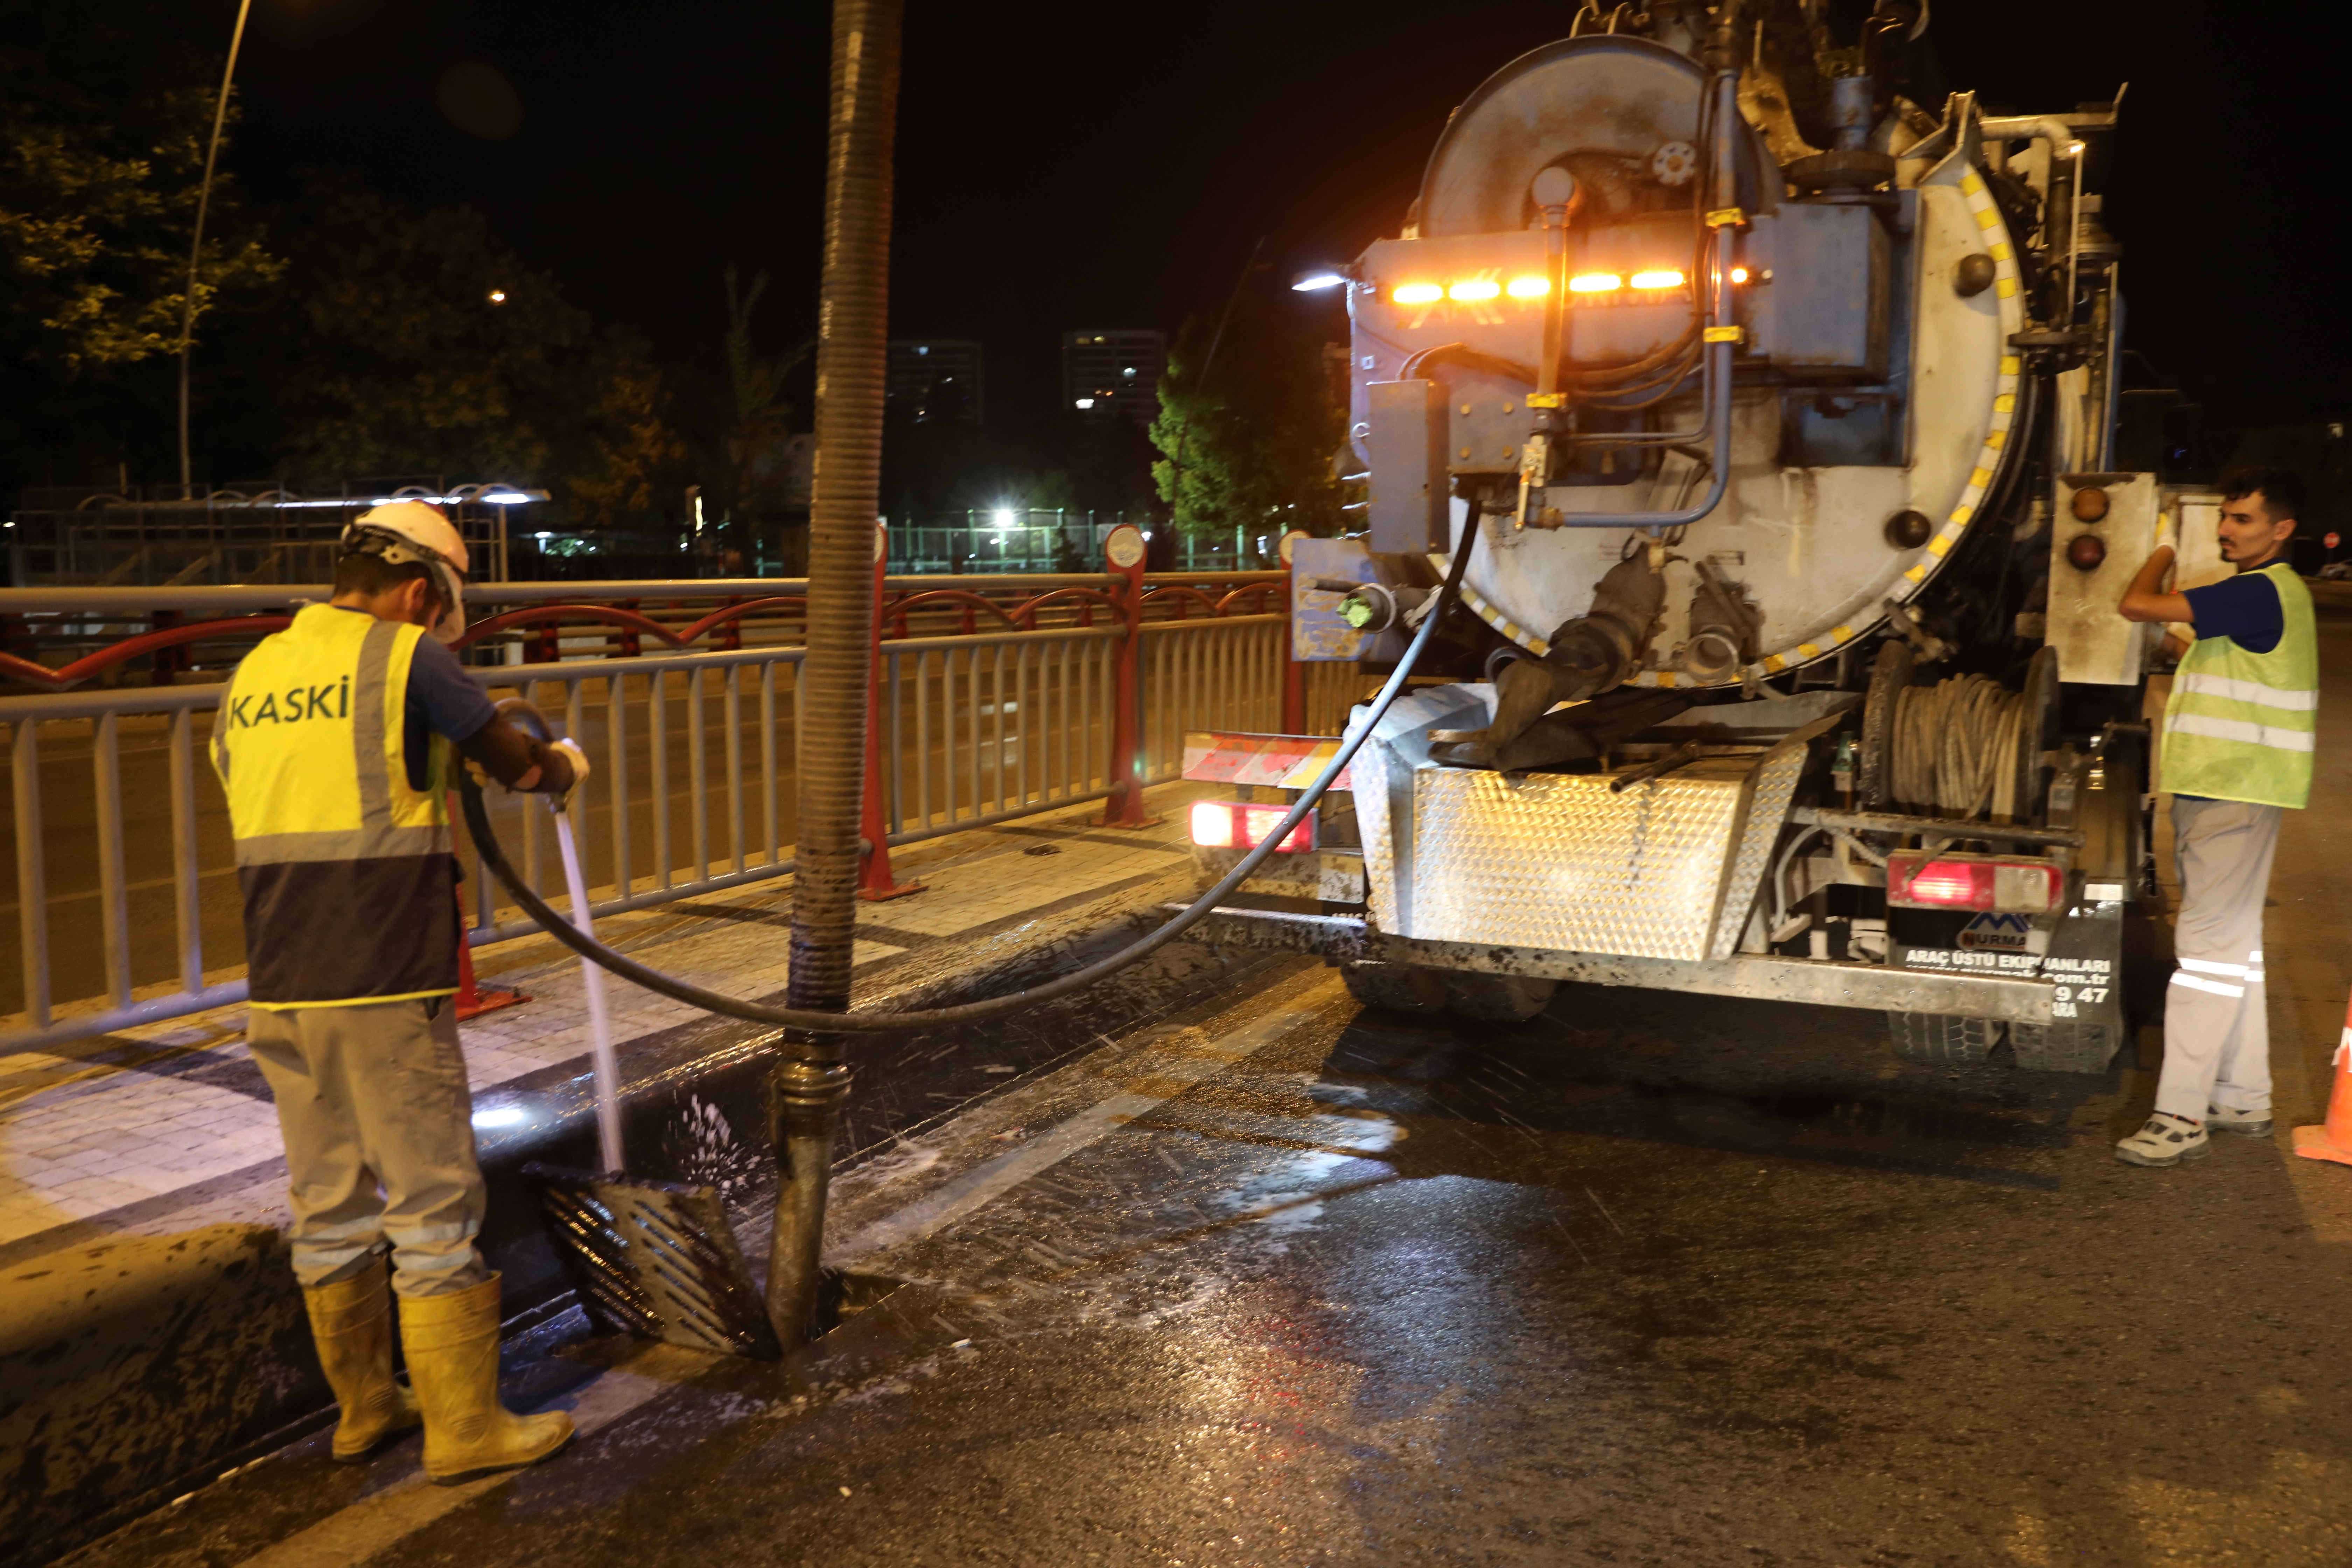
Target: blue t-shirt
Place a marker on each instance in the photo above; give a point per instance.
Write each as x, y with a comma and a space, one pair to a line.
2243, 609
442, 699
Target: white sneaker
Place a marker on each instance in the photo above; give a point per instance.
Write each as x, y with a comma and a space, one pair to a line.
2167, 1140
2244, 1124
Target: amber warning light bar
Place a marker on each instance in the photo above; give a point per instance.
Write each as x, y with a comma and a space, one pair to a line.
1240, 824
1534, 285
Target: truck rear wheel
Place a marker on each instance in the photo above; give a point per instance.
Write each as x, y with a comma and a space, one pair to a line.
1941, 1038
1498, 998
2064, 1047
1398, 987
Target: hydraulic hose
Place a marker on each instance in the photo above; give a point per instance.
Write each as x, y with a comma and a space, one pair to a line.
493, 858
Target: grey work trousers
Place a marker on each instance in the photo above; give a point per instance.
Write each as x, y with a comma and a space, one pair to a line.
2217, 1035
378, 1121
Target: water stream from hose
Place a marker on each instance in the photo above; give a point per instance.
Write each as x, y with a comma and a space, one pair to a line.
600, 1026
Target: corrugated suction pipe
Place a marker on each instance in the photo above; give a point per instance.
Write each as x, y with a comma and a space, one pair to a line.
853, 324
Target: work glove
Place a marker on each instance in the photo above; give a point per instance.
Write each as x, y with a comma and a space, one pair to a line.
558, 801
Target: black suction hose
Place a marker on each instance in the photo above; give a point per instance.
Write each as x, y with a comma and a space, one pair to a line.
485, 844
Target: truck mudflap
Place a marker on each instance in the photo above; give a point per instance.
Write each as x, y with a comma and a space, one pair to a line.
2018, 998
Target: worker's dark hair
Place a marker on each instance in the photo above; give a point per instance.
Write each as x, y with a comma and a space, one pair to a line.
359, 572
2282, 492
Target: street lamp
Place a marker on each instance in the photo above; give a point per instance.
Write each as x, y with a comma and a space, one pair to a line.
197, 245
1315, 278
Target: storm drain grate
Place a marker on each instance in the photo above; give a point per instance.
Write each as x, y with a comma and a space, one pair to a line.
657, 1259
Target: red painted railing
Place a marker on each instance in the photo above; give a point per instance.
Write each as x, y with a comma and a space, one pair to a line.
635, 627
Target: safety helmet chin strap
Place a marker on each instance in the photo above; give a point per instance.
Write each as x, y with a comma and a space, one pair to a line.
399, 550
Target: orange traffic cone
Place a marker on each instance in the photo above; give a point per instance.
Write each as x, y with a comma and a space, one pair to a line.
2333, 1139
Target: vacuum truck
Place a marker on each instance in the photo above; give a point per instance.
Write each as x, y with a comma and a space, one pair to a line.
1772, 388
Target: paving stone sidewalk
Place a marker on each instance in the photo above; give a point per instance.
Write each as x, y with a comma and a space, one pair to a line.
164, 1128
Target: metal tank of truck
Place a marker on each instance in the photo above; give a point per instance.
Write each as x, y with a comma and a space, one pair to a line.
1778, 387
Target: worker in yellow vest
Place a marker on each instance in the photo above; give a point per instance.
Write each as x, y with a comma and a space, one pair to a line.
2238, 743
333, 742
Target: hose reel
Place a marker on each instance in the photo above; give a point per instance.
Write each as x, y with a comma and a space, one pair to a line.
1966, 747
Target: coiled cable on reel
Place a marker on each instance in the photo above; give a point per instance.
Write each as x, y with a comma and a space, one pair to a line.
1956, 747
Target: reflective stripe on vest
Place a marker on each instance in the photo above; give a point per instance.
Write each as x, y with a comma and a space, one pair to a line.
2244, 730
345, 867
2242, 725
2252, 691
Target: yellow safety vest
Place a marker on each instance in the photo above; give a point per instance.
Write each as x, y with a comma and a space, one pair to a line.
348, 884
2244, 726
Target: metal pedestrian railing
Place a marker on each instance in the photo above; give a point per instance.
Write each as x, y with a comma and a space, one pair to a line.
127, 908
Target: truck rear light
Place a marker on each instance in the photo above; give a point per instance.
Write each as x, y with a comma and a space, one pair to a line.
1990, 883
1240, 824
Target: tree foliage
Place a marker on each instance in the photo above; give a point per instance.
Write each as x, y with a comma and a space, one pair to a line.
756, 442
422, 344
1248, 438
103, 124
98, 199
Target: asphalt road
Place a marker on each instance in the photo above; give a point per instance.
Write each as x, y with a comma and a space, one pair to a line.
1652, 1279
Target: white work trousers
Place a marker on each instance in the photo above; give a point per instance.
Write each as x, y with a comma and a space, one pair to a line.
379, 1126
2217, 1035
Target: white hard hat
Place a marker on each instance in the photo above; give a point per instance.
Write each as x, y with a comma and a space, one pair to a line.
410, 531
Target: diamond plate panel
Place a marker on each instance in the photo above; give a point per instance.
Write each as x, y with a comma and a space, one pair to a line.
1776, 780
1383, 773
1557, 861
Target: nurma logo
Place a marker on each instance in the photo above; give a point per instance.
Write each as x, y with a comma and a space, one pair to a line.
299, 703
2000, 933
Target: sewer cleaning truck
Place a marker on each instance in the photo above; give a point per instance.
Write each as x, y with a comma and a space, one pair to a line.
1771, 391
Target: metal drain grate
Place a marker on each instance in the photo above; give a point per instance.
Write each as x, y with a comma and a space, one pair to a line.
657, 1259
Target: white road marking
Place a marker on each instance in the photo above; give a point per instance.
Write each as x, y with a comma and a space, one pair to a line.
977, 1188
381, 1522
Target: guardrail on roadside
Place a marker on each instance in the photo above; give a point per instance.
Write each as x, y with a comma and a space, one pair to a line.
1081, 691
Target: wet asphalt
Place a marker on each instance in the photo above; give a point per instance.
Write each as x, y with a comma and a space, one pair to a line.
1651, 1279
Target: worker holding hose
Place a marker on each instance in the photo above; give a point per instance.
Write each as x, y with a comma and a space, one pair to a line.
334, 745
2238, 744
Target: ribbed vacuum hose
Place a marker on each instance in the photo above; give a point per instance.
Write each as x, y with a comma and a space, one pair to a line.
485, 844
853, 322
852, 319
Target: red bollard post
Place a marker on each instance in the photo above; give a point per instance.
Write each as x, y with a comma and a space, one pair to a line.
1123, 560
874, 879
471, 999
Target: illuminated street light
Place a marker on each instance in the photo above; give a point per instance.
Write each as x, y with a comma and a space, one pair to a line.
1315, 278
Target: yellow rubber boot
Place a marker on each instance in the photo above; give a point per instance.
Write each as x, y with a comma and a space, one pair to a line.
452, 1342
351, 1322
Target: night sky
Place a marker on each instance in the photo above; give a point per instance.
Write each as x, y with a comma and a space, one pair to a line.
1062, 165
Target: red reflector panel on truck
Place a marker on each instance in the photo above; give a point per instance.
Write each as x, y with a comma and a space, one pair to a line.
1238, 825
1991, 883
1282, 761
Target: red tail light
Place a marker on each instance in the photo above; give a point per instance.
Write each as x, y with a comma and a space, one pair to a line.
2008, 886
1240, 824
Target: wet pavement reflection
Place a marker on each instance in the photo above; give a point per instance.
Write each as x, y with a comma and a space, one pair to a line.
1649, 1278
